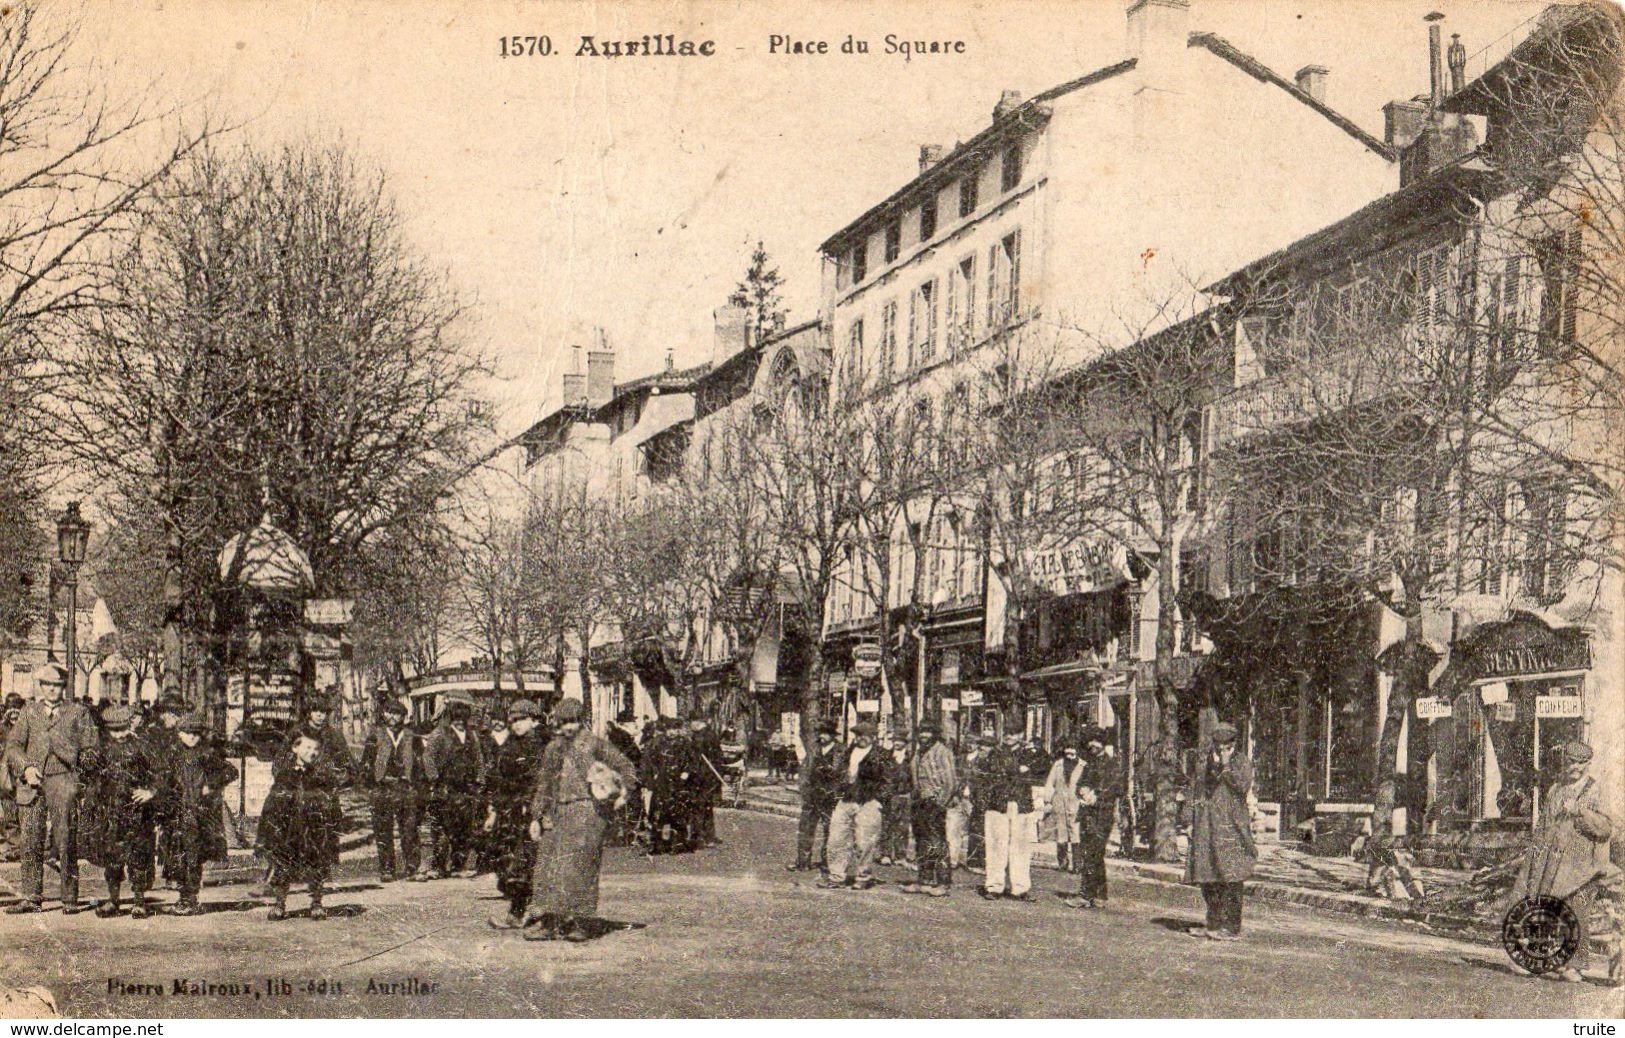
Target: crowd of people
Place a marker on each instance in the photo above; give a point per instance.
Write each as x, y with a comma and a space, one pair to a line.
533, 798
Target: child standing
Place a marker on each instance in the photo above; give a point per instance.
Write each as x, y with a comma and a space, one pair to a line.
121, 812
301, 821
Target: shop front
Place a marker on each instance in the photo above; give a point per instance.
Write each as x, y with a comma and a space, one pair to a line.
1514, 692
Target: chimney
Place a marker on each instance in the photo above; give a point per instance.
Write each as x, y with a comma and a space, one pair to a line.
600, 377
575, 388
1402, 122
1312, 81
931, 154
731, 332
1456, 58
1009, 101
1435, 60
1158, 29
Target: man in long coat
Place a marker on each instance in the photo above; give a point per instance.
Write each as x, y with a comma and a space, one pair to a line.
453, 763
1096, 791
569, 820
390, 765
46, 753
706, 782
1222, 854
120, 811
820, 788
1062, 784
1569, 857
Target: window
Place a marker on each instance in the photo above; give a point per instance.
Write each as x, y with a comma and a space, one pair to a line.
888, 340
1436, 289
1559, 258
894, 240
1003, 280
860, 261
1192, 456
967, 195
922, 324
1010, 173
961, 314
928, 218
854, 352
1545, 565
919, 432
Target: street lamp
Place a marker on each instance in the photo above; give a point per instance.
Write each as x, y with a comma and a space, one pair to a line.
72, 535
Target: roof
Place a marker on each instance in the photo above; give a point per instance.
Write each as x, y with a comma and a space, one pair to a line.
671, 378
1554, 23
1466, 175
1028, 115
266, 559
1034, 112
1262, 72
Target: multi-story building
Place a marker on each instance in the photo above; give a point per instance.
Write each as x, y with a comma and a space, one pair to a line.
1479, 281
1061, 224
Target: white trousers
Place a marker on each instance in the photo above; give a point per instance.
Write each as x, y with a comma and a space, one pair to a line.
1009, 834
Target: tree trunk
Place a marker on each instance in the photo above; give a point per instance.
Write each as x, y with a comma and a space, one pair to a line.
1165, 784
1409, 680
811, 696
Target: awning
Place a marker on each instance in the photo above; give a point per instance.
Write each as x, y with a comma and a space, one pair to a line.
1059, 670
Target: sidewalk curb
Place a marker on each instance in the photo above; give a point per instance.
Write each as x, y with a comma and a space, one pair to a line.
1462, 927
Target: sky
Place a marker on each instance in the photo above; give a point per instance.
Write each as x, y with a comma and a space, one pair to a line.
565, 194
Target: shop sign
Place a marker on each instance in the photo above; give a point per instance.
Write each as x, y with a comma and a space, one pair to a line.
971, 697
837, 684
1558, 706
1537, 659
950, 706
1432, 708
790, 724
866, 659
950, 668
1506, 711
329, 612
868, 706
323, 645
1493, 693
1077, 568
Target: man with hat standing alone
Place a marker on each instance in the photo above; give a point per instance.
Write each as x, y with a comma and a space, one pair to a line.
390, 764
46, 752
509, 787
854, 825
1222, 853
453, 762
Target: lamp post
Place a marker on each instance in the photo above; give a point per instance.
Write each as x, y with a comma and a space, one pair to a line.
72, 535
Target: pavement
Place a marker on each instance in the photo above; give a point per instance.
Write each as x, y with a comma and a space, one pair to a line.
728, 932
1284, 875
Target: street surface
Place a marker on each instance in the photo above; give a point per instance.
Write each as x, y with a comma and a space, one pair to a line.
728, 932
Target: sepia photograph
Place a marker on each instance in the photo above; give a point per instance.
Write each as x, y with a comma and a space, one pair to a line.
1053, 509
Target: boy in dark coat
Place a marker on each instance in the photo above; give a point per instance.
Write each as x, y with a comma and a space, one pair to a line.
192, 806
120, 813
509, 788
302, 820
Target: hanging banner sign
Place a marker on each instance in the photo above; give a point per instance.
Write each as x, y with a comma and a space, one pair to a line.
1506, 711
950, 706
1558, 706
866, 659
1432, 708
1493, 693
970, 697
868, 706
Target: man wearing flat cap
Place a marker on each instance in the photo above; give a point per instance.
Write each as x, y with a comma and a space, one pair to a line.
854, 825
390, 765
46, 754
1569, 856
1096, 797
509, 786
934, 785
820, 779
1222, 853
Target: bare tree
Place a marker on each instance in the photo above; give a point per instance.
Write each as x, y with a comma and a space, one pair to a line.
268, 331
